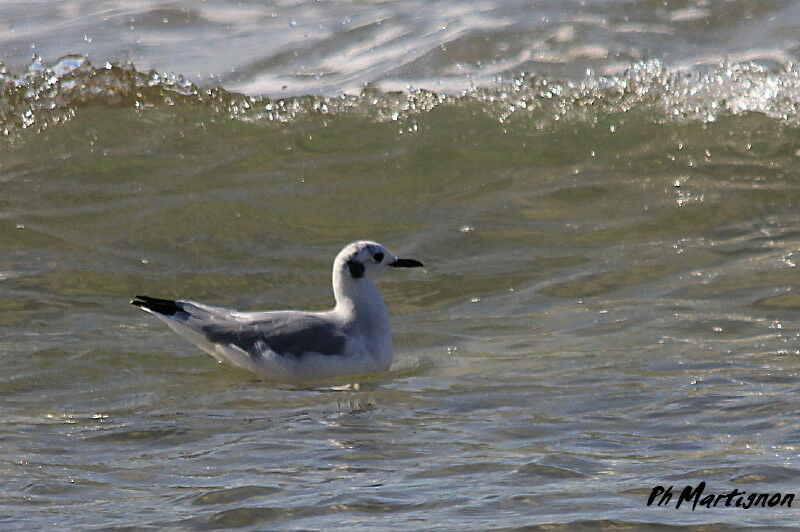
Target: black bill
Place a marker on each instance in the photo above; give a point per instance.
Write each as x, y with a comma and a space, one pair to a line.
406, 263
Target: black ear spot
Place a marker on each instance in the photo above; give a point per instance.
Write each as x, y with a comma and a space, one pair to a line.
356, 269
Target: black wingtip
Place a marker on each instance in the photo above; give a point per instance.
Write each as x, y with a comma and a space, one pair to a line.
167, 307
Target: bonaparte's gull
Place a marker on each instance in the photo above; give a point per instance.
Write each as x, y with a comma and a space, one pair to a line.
354, 338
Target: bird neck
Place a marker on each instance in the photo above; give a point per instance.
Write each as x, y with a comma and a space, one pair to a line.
359, 298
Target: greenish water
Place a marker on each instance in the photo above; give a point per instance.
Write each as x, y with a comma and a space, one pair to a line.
610, 301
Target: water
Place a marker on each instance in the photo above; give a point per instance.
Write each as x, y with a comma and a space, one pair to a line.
610, 300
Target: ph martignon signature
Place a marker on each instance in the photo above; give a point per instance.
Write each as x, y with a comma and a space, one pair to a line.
662, 496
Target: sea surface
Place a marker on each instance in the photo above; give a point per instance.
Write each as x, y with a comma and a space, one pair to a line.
606, 195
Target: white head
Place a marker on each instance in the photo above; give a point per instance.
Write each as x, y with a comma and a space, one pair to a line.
359, 264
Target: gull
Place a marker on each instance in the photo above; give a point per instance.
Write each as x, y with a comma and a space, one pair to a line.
294, 346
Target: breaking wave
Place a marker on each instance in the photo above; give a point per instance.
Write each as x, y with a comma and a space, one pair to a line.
44, 95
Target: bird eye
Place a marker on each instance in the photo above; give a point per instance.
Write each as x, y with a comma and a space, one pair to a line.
378, 256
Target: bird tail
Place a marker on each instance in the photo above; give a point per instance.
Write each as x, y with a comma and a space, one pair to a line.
186, 318
165, 307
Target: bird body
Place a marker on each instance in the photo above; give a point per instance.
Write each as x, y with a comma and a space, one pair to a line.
353, 338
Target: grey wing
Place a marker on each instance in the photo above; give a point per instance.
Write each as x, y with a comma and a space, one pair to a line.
285, 334
201, 311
